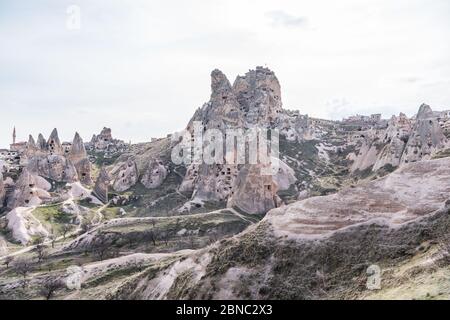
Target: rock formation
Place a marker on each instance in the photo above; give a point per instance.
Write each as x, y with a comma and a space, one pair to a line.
31, 148
104, 143
41, 143
426, 137
254, 192
254, 100
54, 167
101, 187
54, 144
395, 138
79, 159
259, 96
154, 175
125, 175
223, 110
29, 190
102, 140
3, 247
2, 191
24, 225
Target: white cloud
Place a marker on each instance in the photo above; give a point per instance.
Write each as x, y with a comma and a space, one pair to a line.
280, 18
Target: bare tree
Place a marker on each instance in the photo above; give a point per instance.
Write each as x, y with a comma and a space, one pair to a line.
165, 237
65, 230
213, 236
86, 226
8, 260
130, 238
53, 239
41, 253
49, 287
101, 246
22, 268
191, 239
150, 235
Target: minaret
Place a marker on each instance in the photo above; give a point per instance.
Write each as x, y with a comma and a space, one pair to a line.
14, 135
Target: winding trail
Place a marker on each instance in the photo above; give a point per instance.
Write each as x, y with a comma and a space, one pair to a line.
68, 235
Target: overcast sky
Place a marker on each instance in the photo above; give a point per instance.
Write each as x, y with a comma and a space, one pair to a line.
142, 67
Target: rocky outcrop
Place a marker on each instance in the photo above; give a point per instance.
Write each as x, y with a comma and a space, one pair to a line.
3, 247
79, 159
254, 100
102, 140
284, 176
254, 192
154, 175
24, 225
395, 138
41, 143
426, 137
2, 191
125, 175
30, 190
54, 144
31, 148
259, 96
54, 167
101, 187
105, 144
215, 182
223, 110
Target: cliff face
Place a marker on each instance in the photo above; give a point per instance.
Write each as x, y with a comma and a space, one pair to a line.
395, 138
29, 190
78, 157
259, 96
426, 137
254, 100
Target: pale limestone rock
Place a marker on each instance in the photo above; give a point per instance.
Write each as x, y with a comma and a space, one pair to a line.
54, 167
426, 137
190, 179
41, 143
3, 247
154, 175
24, 225
223, 110
215, 182
31, 147
395, 137
366, 157
101, 187
102, 140
125, 175
29, 190
79, 159
253, 100
254, 193
409, 193
259, 96
54, 144
2, 191
284, 176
